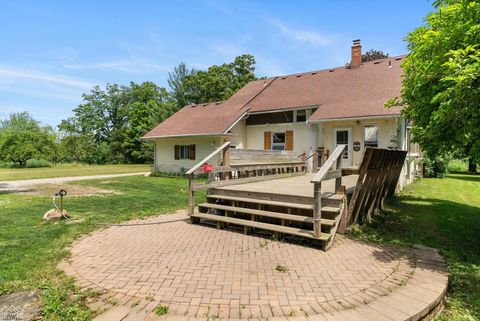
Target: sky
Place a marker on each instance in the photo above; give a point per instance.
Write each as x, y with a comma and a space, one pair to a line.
51, 52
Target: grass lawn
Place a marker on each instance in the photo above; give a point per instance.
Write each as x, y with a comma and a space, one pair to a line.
444, 214
441, 213
31, 248
11, 174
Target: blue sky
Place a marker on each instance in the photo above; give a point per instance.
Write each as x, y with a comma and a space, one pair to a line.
53, 51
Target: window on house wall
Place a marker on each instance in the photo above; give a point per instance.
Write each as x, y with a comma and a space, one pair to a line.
371, 136
185, 152
278, 141
300, 116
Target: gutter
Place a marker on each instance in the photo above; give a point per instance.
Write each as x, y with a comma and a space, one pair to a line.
186, 135
351, 118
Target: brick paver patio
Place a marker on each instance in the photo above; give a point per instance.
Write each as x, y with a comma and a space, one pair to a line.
200, 272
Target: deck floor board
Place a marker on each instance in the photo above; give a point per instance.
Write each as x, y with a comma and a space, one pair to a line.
296, 186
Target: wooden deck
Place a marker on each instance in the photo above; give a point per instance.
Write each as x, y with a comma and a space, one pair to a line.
295, 186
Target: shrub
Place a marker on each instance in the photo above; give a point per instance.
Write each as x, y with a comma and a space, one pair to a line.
458, 165
435, 166
35, 163
31, 163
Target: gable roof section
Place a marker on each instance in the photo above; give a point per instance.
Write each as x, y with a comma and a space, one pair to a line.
209, 119
338, 93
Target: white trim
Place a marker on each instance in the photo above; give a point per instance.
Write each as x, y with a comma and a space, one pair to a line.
282, 110
187, 135
284, 143
349, 145
353, 118
363, 134
235, 122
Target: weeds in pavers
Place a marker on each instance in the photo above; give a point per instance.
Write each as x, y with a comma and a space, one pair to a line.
150, 297
135, 303
161, 310
281, 268
263, 243
112, 301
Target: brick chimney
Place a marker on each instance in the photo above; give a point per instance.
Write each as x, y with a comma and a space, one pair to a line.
356, 54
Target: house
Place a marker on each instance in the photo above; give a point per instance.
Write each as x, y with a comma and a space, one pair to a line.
310, 112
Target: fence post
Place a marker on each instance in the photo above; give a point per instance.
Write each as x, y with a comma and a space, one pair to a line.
317, 209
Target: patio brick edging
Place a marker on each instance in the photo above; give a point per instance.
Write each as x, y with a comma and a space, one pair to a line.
421, 299
414, 291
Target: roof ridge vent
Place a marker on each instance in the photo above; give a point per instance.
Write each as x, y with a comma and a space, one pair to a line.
331, 70
314, 73
398, 58
284, 77
300, 75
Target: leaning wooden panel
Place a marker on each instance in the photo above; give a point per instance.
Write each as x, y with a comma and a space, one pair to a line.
378, 177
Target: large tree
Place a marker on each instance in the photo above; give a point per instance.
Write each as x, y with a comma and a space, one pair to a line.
220, 82
176, 80
441, 87
108, 125
23, 138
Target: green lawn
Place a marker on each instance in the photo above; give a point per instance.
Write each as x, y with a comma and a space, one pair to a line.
444, 214
31, 248
11, 174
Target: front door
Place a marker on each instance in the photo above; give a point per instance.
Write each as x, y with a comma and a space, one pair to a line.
343, 136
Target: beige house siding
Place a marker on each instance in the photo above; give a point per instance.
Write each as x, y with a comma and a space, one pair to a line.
254, 135
387, 132
165, 156
239, 135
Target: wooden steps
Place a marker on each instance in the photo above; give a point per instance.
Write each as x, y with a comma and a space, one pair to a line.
282, 216
261, 201
278, 213
264, 226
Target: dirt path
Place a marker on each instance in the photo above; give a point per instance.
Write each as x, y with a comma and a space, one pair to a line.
21, 184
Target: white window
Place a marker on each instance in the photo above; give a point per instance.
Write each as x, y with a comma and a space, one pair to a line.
300, 116
371, 136
184, 151
278, 141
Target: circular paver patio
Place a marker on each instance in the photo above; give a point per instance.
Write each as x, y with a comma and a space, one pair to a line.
201, 272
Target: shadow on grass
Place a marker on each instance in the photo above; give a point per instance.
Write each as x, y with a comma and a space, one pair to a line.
451, 227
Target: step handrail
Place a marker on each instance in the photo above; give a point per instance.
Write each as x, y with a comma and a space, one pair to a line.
324, 173
334, 157
203, 161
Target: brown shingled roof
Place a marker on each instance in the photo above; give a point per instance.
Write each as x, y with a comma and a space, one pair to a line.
338, 93
211, 118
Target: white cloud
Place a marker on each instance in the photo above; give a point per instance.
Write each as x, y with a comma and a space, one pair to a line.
299, 36
128, 65
9, 74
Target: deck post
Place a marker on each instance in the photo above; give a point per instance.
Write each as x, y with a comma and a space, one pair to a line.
317, 209
191, 194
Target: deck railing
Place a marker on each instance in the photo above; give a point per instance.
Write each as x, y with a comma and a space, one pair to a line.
228, 173
325, 173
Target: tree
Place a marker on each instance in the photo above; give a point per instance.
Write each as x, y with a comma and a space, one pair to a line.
148, 105
220, 82
441, 87
372, 54
23, 138
108, 125
176, 80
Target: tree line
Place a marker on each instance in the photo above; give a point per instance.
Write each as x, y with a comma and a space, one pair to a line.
108, 125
